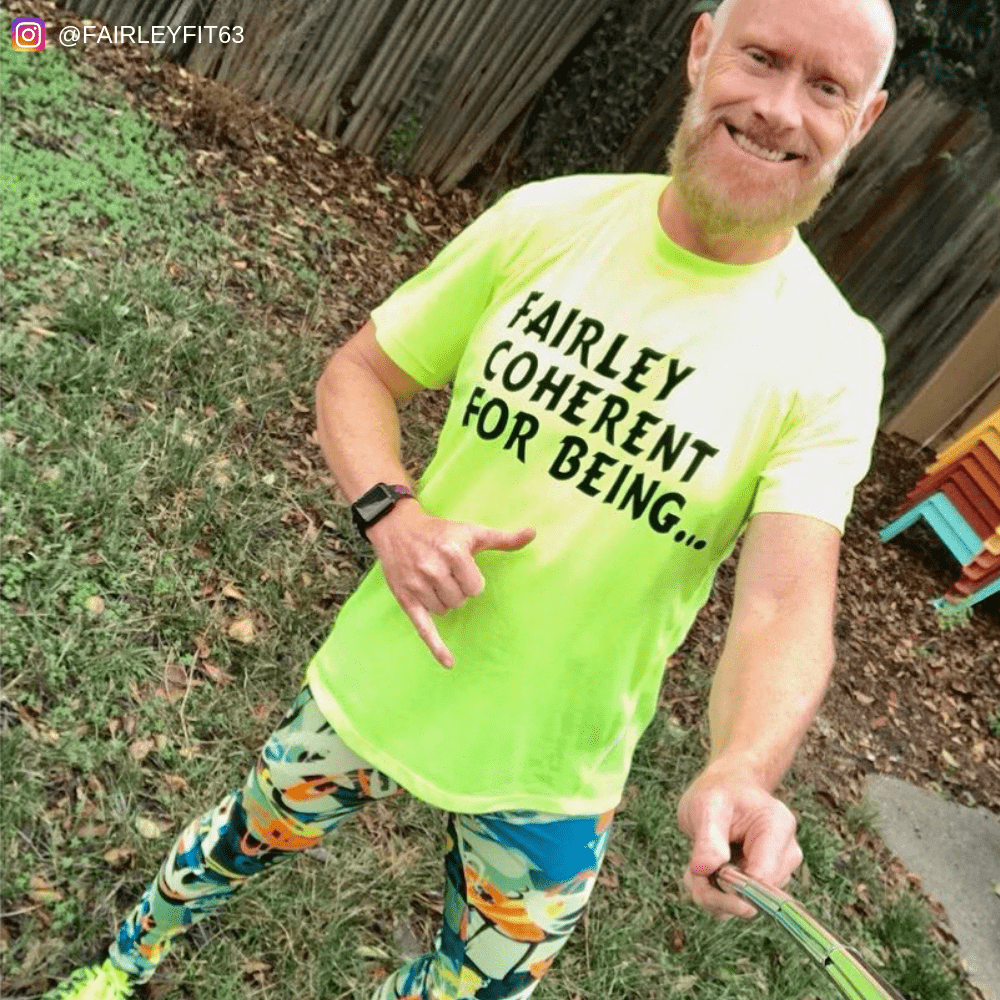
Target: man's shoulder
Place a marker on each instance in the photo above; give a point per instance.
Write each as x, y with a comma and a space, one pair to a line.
808, 288
827, 342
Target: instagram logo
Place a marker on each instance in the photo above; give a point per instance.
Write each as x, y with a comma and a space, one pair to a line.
27, 34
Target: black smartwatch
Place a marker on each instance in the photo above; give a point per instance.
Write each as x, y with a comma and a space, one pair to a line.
375, 504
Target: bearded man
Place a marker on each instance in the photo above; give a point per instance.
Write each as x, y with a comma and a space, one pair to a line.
643, 369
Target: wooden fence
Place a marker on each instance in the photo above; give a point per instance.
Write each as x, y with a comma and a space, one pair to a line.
911, 233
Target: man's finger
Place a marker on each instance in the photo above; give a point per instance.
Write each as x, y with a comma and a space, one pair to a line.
773, 855
449, 592
466, 572
710, 836
771, 852
715, 901
501, 541
427, 631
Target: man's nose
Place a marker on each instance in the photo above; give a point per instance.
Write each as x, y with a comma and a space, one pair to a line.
779, 102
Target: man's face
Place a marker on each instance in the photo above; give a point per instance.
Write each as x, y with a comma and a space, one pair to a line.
777, 105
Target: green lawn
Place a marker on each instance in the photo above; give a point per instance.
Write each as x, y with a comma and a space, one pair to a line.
173, 553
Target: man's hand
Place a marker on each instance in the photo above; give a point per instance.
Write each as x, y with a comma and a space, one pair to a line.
724, 806
430, 567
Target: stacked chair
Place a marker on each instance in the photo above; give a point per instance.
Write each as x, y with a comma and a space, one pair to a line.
959, 497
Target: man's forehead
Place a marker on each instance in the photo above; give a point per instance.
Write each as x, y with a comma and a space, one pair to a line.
855, 34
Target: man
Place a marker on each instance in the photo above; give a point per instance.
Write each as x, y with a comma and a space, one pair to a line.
641, 370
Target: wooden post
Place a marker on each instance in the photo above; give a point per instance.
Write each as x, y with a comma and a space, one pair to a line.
971, 372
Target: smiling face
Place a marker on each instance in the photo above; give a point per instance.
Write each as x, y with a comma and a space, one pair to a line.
783, 90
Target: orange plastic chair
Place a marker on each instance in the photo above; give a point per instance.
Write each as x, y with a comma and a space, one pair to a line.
987, 431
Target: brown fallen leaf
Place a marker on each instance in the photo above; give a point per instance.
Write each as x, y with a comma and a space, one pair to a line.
35, 728
149, 828
141, 749
242, 629
175, 782
677, 939
215, 673
41, 890
90, 830
230, 591
118, 857
608, 878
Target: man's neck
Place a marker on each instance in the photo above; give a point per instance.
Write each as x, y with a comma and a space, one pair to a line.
679, 224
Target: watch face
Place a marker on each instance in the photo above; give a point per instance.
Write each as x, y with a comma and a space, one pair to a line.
373, 504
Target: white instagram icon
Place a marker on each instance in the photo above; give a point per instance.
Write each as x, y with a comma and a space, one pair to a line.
27, 34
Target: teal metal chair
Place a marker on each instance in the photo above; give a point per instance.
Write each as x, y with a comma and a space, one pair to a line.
947, 523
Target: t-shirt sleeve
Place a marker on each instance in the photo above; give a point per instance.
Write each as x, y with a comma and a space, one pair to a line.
825, 449
425, 324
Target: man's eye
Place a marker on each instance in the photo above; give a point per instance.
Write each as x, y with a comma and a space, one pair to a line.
758, 57
829, 89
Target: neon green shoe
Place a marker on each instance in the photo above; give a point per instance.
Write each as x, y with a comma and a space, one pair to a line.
93, 982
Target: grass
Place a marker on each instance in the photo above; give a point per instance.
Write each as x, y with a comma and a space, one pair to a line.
172, 555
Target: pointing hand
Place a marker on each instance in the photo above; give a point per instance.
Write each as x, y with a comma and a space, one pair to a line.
430, 567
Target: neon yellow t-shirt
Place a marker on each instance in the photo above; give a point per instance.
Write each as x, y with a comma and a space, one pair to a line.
634, 403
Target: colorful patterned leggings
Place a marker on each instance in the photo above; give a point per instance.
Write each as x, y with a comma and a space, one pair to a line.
516, 882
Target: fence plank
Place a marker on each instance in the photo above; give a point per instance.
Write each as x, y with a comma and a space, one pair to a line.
480, 98
479, 137
415, 51
368, 90
322, 97
974, 363
318, 64
499, 74
468, 61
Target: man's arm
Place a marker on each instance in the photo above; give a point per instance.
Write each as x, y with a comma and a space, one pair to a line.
428, 562
770, 680
356, 414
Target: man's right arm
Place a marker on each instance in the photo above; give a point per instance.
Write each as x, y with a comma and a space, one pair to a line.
429, 563
356, 411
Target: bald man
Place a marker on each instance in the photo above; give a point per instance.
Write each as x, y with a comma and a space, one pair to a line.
643, 369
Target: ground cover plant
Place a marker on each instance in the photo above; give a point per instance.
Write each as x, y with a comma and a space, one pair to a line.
174, 550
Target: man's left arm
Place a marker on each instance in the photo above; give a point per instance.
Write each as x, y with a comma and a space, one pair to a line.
774, 668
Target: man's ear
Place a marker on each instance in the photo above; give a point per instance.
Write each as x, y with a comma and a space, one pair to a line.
701, 42
870, 115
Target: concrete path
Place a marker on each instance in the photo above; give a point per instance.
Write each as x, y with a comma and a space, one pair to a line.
956, 852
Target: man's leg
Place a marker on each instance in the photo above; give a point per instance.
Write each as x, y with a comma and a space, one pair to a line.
305, 783
516, 883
